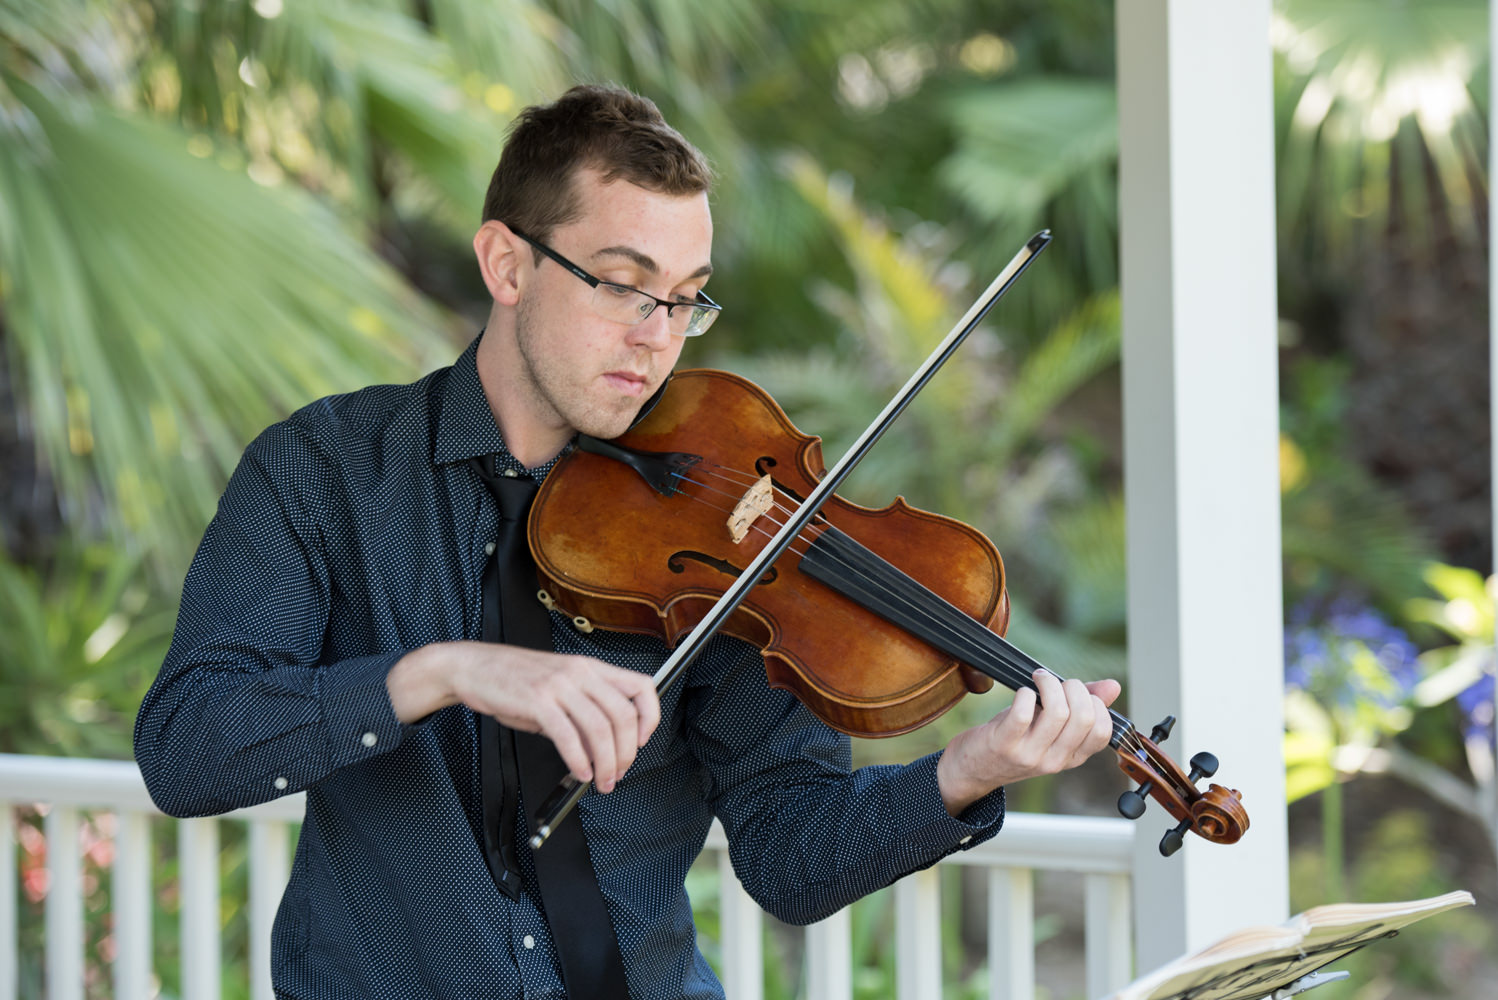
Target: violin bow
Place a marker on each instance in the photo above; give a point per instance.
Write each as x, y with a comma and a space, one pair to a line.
569, 790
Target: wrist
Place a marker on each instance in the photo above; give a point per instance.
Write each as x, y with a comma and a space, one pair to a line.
421, 682
958, 790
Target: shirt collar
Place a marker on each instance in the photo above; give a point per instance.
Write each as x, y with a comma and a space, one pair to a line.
465, 423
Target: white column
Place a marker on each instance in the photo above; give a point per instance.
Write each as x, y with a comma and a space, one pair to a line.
64, 906
197, 853
829, 958
1011, 934
742, 932
1108, 937
269, 871
9, 966
132, 906
1201, 445
918, 935
1489, 795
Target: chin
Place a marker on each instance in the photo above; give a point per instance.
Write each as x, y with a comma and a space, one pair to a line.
606, 426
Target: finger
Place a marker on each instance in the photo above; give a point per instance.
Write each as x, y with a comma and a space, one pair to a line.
556, 726
1107, 690
1080, 718
640, 689
1021, 712
624, 727
1054, 709
1102, 726
648, 705
597, 737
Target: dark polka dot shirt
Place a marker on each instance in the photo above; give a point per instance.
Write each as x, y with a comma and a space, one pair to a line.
354, 532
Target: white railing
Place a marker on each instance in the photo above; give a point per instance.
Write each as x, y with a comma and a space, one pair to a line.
1098, 850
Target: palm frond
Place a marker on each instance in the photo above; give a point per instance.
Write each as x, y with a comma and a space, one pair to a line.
1374, 93
1084, 344
1021, 145
161, 310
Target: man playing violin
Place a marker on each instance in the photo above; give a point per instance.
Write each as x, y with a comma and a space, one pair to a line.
329, 641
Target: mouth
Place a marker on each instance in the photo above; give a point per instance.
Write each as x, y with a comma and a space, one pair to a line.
627, 382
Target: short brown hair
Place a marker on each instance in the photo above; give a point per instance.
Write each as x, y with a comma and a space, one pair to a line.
610, 129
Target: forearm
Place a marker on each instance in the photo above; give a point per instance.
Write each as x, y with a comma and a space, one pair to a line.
216, 736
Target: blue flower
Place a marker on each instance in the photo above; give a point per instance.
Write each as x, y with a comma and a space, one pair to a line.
1323, 653
1476, 704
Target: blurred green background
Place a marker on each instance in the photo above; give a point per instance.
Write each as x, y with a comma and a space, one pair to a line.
214, 211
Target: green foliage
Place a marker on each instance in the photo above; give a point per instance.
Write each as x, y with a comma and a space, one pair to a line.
79, 647
1341, 528
1398, 859
1377, 112
160, 310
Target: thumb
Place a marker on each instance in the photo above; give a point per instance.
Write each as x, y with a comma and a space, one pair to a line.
1107, 690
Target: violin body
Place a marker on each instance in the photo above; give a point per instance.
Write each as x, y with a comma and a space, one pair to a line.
615, 553
878, 620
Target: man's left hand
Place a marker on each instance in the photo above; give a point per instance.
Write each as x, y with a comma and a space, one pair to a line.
1052, 728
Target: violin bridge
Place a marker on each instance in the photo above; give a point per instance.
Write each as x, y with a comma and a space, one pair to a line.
755, 503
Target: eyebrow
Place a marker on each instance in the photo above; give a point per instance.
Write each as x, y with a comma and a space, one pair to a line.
647, 262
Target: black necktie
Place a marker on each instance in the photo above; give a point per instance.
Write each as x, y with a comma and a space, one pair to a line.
509, 761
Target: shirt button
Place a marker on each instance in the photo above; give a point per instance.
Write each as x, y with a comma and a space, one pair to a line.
280, 784
488, 548
529, 942
369, 739
510, 473
964, 840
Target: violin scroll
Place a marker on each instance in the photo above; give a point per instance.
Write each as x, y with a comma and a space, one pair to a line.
1216, 815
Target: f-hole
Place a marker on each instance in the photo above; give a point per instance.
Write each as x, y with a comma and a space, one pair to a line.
674, 564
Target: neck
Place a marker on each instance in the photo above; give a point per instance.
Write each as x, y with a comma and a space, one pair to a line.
531, 433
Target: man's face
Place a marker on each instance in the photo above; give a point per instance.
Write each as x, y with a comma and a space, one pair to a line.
592, 374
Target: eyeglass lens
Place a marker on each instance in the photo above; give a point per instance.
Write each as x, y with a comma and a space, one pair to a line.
623, 304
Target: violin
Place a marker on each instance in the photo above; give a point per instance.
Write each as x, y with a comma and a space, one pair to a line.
878, 620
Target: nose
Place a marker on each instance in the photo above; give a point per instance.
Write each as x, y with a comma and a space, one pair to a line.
653, 332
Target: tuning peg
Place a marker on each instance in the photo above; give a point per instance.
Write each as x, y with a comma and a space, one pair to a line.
1162, 729
1174, 838
1131, 803
1203, 765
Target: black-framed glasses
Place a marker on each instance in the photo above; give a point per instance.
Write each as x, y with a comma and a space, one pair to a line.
627, 304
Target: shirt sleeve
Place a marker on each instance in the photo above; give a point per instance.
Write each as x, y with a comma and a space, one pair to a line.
243, 710
807, 834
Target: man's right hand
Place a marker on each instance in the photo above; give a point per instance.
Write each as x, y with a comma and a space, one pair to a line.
598, 715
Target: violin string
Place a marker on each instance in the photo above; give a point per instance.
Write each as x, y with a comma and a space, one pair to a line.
755, 527
1013, 678
1124, 730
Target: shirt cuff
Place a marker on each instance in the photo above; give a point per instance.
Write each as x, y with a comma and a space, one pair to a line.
361, 722
929, 823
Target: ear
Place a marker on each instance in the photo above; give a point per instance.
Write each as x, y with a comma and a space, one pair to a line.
498, 250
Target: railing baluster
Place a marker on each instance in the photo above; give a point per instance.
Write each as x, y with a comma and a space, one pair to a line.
1109, 948
197, 851
64, 906
1100, 850
9, 966
918, 935
1011, 934
829, 958
743, 936
132, 906
269, 871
